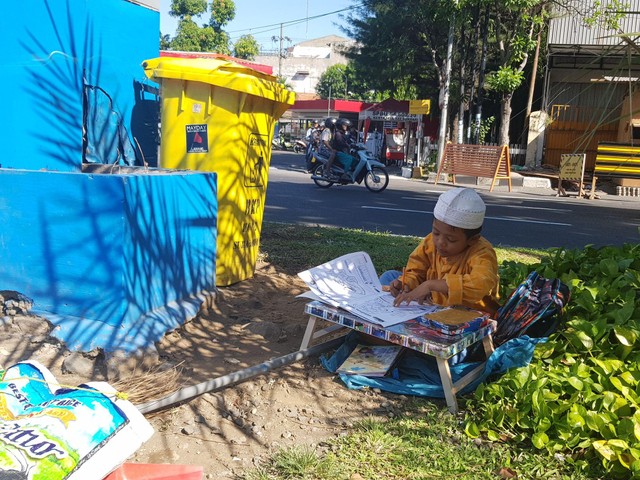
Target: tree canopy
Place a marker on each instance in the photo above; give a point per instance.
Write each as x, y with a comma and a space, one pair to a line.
246, 47
402, 48
208, 37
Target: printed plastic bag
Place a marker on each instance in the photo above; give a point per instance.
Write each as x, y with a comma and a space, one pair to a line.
52, 433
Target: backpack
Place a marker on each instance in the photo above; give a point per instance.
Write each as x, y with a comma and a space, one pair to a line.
533, 309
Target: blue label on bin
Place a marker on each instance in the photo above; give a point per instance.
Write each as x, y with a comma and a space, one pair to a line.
197, 138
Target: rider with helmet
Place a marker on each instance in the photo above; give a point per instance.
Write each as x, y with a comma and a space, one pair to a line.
326, 148
342, 144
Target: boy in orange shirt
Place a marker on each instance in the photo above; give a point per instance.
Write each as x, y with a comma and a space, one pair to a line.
453, 265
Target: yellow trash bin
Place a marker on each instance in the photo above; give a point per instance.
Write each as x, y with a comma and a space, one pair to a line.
219, 116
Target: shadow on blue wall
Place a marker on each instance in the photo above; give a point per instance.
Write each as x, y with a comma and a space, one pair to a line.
78, 91
114, 256
118, 258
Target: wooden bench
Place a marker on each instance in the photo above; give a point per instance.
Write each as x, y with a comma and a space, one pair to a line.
476, 161
615, 160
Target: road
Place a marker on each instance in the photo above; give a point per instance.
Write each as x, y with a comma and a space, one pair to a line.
535, 218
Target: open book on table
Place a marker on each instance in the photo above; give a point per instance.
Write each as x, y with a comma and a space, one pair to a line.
350, 282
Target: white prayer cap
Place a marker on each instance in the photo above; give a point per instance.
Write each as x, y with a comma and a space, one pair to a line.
460, 207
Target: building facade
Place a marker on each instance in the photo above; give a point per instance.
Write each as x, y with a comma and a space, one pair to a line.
592, 73
302, 64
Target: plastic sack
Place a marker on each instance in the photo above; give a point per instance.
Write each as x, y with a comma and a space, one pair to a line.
56, 433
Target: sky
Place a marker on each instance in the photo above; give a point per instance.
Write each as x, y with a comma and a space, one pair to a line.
301, 20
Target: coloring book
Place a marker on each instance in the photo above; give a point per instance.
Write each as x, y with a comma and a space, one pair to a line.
351, 283
370, 360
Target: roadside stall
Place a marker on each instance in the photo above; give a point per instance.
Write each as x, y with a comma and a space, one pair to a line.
391, 131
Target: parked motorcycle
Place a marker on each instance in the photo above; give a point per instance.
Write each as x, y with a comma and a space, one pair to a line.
368, 168
281, 143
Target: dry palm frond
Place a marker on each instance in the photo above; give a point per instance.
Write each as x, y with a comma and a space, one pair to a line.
152, 384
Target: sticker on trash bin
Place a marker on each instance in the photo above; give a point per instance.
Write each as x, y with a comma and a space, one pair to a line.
197, 138
256, 166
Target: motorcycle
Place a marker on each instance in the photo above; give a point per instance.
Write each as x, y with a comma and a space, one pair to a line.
310, 159
367, 168
281, 143
300, 146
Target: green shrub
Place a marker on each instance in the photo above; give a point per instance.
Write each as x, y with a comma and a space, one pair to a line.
579, 397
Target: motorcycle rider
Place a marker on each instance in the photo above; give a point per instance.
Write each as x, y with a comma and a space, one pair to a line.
313, 132
326, 145
342, 144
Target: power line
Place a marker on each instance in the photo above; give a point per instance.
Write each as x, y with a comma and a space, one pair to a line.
276, 26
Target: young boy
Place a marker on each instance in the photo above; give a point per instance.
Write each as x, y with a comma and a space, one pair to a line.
453, 265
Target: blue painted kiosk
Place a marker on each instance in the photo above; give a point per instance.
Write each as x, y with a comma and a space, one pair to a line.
112, 252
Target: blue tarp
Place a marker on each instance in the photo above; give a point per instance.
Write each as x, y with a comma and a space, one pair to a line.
417, 374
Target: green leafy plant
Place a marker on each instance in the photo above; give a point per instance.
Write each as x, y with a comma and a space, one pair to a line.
580, 395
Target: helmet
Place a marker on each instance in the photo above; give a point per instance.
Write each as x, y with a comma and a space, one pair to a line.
343, 121
330, 122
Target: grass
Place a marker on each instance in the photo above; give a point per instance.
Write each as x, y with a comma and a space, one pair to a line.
426, 442
295, 248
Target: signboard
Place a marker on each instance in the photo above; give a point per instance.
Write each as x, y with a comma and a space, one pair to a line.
382, 116
197, 138
571, 169
420, 107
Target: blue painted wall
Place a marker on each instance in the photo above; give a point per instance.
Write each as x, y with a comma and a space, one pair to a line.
113, 260
48, 46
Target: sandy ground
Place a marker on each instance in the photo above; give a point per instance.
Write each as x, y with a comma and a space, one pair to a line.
229, 430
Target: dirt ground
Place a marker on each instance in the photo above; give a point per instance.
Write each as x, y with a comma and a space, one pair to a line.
229, 430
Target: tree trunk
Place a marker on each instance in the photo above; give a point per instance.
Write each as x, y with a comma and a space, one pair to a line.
483, 67
505, 118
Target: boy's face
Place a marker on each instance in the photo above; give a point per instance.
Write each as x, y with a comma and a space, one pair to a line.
449, 241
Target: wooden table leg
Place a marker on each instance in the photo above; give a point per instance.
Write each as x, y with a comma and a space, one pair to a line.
487, 343
311, 334
447, 384
308, 333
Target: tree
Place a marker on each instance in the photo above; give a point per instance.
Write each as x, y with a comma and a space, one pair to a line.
399, 45
209, 37
187, 8
192, 38
515, 26
333, 82
405, 45
165, 42
246, 47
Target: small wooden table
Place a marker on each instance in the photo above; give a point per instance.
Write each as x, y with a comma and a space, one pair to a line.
412, 334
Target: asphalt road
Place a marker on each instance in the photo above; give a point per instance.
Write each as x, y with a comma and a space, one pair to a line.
533, 218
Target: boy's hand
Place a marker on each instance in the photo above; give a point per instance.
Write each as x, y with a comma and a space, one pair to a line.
395, 288
420, 294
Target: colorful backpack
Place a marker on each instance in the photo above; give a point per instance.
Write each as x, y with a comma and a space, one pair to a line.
533, 309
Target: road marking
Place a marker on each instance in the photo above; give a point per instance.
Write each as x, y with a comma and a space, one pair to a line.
564, 210
486, 218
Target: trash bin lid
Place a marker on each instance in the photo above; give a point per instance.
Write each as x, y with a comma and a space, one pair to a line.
220, 73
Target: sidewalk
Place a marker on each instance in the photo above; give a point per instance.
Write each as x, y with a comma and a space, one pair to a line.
528, 184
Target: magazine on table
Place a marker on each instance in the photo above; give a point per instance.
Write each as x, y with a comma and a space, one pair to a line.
370, 360
351, 283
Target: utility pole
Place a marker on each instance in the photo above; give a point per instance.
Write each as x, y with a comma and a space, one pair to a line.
281, 52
